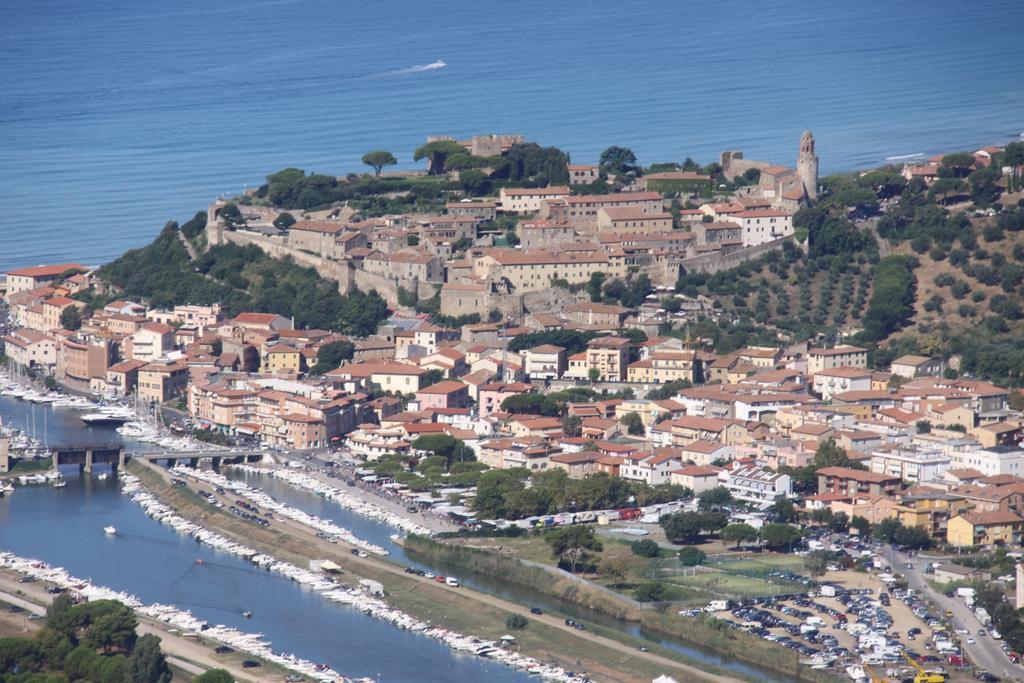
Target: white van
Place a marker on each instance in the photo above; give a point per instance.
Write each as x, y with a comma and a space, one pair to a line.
452, 581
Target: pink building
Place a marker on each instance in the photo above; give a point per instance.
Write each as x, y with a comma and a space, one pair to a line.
490, 396
448, 394
774, 454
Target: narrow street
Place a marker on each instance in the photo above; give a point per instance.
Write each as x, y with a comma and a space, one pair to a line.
985, 652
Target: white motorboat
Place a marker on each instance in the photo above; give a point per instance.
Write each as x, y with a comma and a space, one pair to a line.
109, 530
59, 484
856, 672
102, 419
102, 476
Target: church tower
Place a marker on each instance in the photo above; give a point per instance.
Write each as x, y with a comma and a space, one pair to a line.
807, 166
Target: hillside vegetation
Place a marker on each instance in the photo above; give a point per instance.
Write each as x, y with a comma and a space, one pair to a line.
894, 266
243, 279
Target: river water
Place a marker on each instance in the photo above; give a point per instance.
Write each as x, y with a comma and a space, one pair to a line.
379, 533
56, 426
65, 527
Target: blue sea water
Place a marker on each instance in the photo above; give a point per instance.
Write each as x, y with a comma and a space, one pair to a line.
117, 115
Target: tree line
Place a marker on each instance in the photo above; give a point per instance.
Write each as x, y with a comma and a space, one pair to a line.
243, 278
92, 641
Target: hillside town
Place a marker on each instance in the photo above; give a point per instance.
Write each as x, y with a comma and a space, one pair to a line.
637, 405
556, 340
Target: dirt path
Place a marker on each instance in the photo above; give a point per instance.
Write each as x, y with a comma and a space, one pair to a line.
192, 255
185, 653
308, 535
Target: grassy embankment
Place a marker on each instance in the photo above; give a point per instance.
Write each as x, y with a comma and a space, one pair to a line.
29, 467
706, 633
461, 610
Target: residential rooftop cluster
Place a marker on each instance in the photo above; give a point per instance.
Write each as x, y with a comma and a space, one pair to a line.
942, 454
583, 386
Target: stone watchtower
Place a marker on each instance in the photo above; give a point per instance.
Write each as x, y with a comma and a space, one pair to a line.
807, 166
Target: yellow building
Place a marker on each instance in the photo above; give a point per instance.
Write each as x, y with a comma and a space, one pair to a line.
761, 356
663, 367
160, 382
998, 528
283, 359
533, 270
54, 307
649, 411
996, 434
929, 509
690, 428
836, 357
399, 378
608, 356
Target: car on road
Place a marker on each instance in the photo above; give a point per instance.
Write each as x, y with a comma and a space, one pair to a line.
536, 610
222, 649
250, 664
981, 632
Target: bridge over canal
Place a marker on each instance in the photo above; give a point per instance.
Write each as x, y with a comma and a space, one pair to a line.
87, 457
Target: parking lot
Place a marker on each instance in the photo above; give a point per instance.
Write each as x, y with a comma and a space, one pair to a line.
857, 624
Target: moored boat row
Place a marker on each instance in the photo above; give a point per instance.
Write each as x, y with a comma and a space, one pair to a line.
250, 643
329, 529
339, 496
336, 593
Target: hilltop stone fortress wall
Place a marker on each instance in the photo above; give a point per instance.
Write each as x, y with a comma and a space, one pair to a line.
275, 246
341, 272
713, 263
463, 303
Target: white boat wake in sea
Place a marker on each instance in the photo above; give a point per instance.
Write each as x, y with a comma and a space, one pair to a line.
420, 68
902, 157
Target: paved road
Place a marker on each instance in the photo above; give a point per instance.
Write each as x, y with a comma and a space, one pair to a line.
985, 652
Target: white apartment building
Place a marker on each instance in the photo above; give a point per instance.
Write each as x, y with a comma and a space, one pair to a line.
832, 381
758, 486
760, 226
991, 461
653, 470
911, 464
370, 442
544, 362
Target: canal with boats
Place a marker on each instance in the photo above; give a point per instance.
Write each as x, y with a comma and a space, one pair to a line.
64, 526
